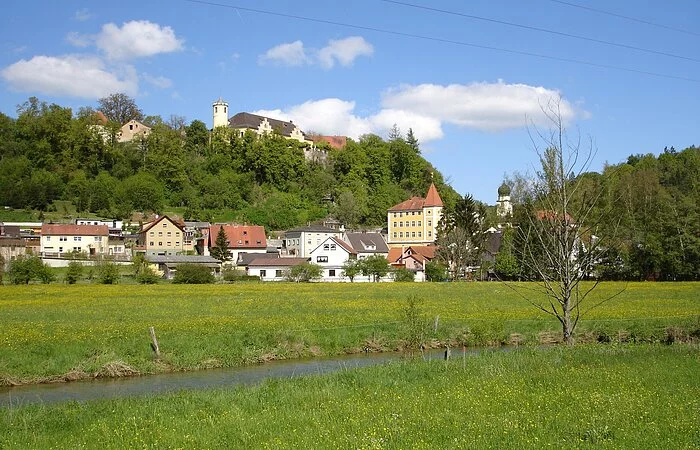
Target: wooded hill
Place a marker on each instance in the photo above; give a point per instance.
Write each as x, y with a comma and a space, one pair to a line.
48, 153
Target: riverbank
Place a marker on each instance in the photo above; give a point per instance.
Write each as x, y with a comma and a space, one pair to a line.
65, 333
622, 396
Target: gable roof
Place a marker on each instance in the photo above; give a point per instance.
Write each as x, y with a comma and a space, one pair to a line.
253, 121
240, 236
50, 229
433, 198
245, 259
412, 204
362, 242
342, 244
148, 226
418, 252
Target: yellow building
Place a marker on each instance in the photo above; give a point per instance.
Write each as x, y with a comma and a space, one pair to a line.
415, 221
163, 237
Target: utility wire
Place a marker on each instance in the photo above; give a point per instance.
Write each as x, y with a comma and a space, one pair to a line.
541, 30
445, 41
621, 16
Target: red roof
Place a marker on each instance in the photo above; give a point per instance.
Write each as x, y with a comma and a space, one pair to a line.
416, 203
433, 198
240, 236
551, 215
417, 252
336, 142
50, 229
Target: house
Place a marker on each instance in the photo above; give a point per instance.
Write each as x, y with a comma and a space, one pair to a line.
244, 259
131, 130
273, 269
367, 244
240, 238
10, 249
115, 226
300, 241
415, 221
164, 237
262, 125
413, 258
59, 239
167, 264
331, 255
194, 231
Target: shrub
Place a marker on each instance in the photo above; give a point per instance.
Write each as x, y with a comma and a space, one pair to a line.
75, 271
193, 274
26, 268
402, 274
435, 271
238, 275
147, 275
304, 273
108, 272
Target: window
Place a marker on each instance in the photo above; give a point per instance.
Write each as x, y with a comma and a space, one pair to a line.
400, 224
245, 232
413, 213
165, 225
97, 239
177, 243
170, 233
60, 249
332, 247
247, 242
430, 223
419, 223
321, 259
419, 234
430, 233
63, 238
177, 233
413, 223
413, 234
160, 233
263, 273
48, 238
76, 249
394, 233
401, 234
394, 224
394, 214
151, 244
401, 214
152, 233
331, 272
170, 244
326, 246
77, 238
279, 273
160, 244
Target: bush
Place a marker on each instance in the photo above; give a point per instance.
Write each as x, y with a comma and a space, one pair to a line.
107, 272
147, 275
193, 274
303, 273
238, 275
402, 274
26, 268
435, 271
75, 271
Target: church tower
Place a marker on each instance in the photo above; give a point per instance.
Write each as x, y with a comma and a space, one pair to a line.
503, 206
220, 108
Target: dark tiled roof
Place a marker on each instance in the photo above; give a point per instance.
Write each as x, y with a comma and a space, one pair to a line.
253, 121
245, 259
313, 229
362, 241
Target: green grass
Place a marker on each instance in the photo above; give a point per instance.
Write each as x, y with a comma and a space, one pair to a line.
57, 331
602, 396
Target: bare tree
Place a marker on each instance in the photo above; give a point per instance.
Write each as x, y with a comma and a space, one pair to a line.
119, 108
560, 234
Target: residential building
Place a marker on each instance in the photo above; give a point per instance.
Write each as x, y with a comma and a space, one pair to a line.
164, 237
415, 221
10, 249
115, 226
273, 269
60, 239
240, 238
131, 130
332, 255
300, 241
367, 244
412, 258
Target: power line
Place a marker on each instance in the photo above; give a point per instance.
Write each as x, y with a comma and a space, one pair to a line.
541, 30
442, 40
622, 16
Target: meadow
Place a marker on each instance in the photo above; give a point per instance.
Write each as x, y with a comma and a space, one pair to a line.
62, 332
590, 396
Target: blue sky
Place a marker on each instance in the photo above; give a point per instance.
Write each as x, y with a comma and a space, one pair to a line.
467, 105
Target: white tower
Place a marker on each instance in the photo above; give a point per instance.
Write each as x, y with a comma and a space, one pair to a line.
220, 108
503, 206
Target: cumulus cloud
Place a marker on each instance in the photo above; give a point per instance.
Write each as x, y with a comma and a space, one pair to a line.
342, 51
159, 81
481, 106
75, 76
137, 38
289, 54
426, 108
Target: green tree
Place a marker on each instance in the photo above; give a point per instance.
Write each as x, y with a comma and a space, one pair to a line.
220, 249
119, 108
74, 272
351, 269
107, 272
506, 264
404, 275
375, 266
193, 274
435, 271
25, 268
304, 273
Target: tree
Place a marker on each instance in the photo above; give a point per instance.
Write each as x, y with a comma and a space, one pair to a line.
220, 249
119, 108
403, 275
23, 269
375, 266
193, 274
74, 272
107, 272
351, 269
412, 141
435, 271
506, 264
557, 224
461, 236
304, 273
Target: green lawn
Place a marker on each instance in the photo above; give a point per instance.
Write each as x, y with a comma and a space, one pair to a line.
594, 396
61, 331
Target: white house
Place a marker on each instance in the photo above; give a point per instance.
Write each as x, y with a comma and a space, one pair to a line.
273, 269
300, 241
57, 239
331, 255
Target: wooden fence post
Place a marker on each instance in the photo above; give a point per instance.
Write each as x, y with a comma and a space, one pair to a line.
154, 342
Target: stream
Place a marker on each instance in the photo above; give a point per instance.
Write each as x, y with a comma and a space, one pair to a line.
107, 388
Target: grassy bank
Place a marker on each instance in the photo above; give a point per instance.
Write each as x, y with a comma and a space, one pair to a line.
602, 396
55, 332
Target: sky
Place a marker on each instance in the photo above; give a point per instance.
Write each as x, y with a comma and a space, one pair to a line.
470, 78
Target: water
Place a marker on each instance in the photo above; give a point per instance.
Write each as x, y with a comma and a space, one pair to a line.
106, 388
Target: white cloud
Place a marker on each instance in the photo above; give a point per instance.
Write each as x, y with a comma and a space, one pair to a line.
159, 82
82, 15
481, 106
73, 76
79, 40
288, 54
137, 38
344, 51
427, 107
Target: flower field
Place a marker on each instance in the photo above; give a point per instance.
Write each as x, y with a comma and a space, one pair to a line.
592, 396
61, 332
